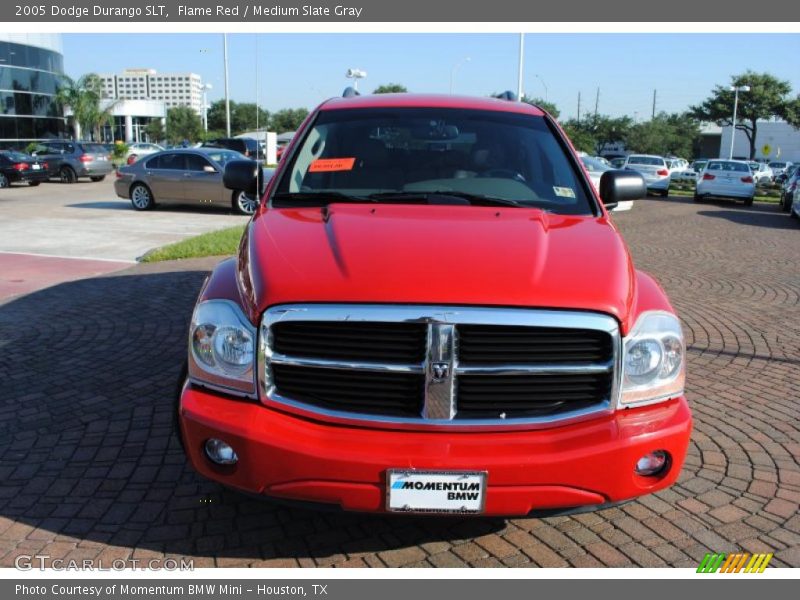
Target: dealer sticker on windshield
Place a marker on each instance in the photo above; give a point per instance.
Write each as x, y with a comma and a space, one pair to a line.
327, 165
436, 491
564, 192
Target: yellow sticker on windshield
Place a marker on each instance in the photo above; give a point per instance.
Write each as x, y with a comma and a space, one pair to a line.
564, 192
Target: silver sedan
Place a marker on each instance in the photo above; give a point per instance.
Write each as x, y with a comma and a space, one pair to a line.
191, 176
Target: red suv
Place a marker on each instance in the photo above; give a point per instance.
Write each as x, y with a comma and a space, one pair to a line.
431, 311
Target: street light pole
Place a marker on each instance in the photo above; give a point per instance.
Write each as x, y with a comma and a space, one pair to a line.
521, 64
455, 68
735, 89
227, 97
206, 87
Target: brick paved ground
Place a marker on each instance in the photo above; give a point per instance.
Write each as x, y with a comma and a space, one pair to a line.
91, 469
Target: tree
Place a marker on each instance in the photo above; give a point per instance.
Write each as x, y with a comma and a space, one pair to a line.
82, 98
768, 97
390, 88
243, 117
183, 124
155, 130
287, 119
581, 138
666, 134
544, 105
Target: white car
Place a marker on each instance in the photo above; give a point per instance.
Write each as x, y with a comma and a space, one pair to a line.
761, 172
139, 149
654, 169
726, 179
779, 167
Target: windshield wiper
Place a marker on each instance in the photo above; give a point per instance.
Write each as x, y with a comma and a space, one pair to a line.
441, 197
319, 198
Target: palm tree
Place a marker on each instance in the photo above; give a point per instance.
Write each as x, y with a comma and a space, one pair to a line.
82, 98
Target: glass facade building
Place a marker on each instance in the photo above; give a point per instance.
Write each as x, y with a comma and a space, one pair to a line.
31, 66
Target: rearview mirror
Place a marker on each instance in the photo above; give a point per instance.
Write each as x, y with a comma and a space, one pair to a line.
619, 185
209, 169
242, 175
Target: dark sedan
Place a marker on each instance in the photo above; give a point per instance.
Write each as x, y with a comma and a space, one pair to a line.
16, 167
190, 176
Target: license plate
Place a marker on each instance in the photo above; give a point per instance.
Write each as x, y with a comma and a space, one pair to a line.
461, 492
36, 167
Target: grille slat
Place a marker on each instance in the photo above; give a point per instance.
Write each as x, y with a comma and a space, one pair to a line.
487, 344
353, 391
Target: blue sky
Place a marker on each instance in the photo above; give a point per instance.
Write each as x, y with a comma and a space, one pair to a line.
303, 69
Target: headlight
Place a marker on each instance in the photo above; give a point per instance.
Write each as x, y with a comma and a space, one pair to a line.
654, 360
222, 347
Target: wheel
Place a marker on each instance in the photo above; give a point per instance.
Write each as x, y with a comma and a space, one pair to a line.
697, 198
67, 175
141, 197
99, 178
244, 204
665, 193
34, 183
786, 203
748, 201
4, 183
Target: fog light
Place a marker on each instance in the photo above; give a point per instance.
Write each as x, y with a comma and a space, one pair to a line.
220, 452
652, 463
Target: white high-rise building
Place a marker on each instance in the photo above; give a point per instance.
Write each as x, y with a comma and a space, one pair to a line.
174, 89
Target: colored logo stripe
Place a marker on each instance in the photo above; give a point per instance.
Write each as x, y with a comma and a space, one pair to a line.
734, 563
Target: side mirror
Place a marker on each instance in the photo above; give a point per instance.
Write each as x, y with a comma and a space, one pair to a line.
209, 169
618, 185
243, 175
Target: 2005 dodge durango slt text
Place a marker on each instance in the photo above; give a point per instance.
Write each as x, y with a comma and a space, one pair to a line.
431, 311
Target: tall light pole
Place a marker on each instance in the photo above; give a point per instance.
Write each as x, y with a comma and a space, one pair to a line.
544, 85
206, 87
455, 69
521, 64
227, 97
735, 89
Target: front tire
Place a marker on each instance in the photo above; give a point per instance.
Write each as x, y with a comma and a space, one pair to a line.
142, 197
99, 178
244, 204
67, 175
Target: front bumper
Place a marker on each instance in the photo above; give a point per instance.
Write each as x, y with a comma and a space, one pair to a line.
577, 465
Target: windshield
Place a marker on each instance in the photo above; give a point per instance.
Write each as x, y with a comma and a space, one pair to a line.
594, 165
646, 160
17, 156
404, 153
222, 157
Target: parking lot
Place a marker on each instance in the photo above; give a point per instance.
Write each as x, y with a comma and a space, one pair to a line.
92, 469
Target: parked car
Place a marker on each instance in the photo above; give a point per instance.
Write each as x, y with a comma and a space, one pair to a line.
322, 360
654, 169
69, 160
17, 167
726, 179
618, 162
762, 174
794, 210
248, 147
139, 149
779, 169
690, 173
186, 176
789, 187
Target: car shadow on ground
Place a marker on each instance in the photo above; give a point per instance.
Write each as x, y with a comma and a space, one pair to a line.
757, 215
122, 204
88, 451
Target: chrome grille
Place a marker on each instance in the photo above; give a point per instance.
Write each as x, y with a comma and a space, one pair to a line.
433, 366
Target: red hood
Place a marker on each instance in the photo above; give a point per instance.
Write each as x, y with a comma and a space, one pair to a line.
457, 255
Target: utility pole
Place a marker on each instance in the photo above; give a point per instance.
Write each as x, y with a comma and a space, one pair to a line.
654, 104
521, 62
227, 97
596, 102
579, 107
